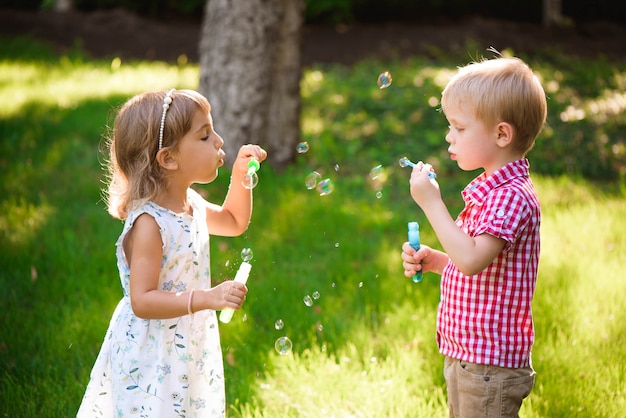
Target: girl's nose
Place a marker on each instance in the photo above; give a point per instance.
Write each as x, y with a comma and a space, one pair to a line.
219, 142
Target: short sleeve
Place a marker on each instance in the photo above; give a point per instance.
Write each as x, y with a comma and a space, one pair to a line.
504, 215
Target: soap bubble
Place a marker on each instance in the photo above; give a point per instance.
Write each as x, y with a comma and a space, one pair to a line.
384, 80
376, 172
379, 194
302, 147
312, 179
279, 324
325, 187
246, 254
308, 301
316, 295
250, 181
283, 346
404, 162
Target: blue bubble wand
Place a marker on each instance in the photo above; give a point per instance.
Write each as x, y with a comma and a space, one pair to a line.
405, 162
414, 241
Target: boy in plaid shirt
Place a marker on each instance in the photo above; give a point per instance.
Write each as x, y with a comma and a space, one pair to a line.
495, 109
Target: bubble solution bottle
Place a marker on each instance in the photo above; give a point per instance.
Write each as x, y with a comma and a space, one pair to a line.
242, 277
414, 241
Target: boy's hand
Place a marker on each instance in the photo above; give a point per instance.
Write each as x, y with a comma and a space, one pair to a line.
414, 261
423, 188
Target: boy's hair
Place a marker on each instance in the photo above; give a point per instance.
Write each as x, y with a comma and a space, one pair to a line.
134, 175
501, 90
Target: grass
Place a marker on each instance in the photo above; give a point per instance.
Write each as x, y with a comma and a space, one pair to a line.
365, 348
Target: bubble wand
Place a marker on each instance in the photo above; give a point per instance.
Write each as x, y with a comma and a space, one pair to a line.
242, 277
251, 179
414, 241
405, 162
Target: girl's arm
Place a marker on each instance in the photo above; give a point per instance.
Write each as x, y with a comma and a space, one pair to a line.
142, 247
233, 217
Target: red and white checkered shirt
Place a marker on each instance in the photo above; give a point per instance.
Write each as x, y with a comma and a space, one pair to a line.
487, 318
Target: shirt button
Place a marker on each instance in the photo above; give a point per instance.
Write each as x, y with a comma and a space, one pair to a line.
500, 213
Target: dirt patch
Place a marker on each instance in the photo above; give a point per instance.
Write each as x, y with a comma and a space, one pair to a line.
124, 34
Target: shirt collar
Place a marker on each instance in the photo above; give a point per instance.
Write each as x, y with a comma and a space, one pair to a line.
480, 187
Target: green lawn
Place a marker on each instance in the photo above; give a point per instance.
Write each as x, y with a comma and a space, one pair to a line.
366, 345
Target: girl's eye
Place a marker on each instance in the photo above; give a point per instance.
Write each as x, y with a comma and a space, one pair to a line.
204, 138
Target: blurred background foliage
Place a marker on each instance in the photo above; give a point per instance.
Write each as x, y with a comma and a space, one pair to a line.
341, 11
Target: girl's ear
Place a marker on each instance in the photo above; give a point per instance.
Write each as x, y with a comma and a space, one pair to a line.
166, 159
505, 134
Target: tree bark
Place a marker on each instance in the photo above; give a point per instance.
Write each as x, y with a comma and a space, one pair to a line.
250, 72
552, 13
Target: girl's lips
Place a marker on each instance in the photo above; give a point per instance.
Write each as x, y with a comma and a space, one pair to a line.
452, 156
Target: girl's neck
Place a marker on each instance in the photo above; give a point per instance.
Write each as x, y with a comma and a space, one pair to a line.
176, 201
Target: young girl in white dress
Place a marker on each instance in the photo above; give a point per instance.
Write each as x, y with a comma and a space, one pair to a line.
161, 355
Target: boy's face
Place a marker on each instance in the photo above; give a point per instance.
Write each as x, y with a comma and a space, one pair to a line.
472, 143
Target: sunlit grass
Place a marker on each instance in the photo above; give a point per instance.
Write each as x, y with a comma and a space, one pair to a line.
366, 347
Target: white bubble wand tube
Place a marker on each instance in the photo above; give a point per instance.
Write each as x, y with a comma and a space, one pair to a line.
242, 277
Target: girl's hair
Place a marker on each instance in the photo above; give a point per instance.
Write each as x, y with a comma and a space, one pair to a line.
501, 90
134, 175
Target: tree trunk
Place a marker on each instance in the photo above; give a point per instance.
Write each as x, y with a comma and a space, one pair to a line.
250, 72
552, 13
63, 5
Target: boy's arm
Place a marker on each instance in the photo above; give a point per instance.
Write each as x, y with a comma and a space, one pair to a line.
426, 260
470, 255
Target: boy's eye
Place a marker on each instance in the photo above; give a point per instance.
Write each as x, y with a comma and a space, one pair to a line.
204, 138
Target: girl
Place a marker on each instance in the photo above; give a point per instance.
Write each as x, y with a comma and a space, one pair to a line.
161, 355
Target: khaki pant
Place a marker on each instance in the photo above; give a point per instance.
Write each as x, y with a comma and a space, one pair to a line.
480, 391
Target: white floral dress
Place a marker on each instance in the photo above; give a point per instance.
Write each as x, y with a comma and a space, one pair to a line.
162, 368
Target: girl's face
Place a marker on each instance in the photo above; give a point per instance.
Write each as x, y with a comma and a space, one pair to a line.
472, 143
199, 153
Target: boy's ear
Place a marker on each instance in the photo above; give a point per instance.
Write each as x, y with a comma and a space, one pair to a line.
166, 159
505, 134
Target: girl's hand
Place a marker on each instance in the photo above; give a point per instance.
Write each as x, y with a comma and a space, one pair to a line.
245, 154
229, 294
423, 188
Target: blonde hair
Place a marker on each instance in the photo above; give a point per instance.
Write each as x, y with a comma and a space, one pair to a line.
501, 90
134, 174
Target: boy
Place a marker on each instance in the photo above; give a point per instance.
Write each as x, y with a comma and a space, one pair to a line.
495, 109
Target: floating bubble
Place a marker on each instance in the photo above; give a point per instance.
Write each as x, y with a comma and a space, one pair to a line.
336, 167
325, 187
319, 327
404, 162
379, 194
250, 181
312, 179
246, 254
283, 346
302, 147
308, 301
279, 324
316, 295
376, 172
384, 80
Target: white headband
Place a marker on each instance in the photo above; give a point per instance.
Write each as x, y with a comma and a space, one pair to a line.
166, 105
